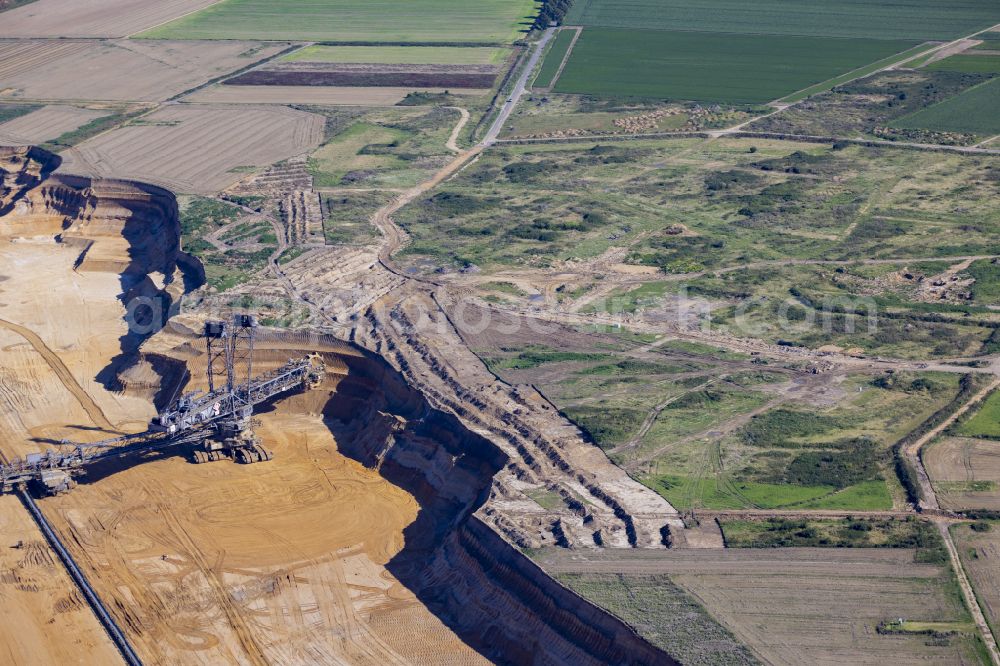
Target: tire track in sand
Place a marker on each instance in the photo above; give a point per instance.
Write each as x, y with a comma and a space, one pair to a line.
62, 372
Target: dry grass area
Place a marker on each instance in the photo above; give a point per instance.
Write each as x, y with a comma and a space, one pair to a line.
94, 18
126, 70
331, 95
980, 553
804, 605
40, 603
197, 149
965, 472
45, 124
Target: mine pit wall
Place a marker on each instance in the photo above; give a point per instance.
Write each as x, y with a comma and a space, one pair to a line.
22, 168
480, 585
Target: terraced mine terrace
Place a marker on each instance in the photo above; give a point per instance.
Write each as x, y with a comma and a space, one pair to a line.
562, 332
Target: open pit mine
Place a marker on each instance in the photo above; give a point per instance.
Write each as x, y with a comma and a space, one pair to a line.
377, 524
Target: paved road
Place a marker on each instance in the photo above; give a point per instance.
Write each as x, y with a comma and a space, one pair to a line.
515, 95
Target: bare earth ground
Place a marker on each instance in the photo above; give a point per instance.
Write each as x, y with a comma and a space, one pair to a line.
334, 95
965, 472
798, 605
146, 70
93, 18
79, 329
45, 124
39, 601
282, 563
209, 564
197, 148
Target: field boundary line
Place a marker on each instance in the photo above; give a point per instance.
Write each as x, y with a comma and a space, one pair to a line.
176, 18
236, 72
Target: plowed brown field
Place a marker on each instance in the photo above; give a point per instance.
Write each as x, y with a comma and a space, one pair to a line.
126, 70
45, 124
197, 148
803, 605
93, 18
334, 95
965, 472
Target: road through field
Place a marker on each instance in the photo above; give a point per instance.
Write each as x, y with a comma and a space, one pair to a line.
393, 236
515, 95
452, 144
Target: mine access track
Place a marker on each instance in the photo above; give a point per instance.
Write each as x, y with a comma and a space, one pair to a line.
194, 417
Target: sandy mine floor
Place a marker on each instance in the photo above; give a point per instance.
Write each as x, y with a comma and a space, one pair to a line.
52, 348
282, 562
38, 601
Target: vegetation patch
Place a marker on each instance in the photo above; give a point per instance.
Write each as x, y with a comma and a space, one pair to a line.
970, 64
985, 422
986, 273
838, 533
92, 128
236, 254
11, 111
664, 614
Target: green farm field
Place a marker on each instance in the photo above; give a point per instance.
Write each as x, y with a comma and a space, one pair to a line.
403, 55
738, 69
986, 421
906, 19
970, 64
974, 111
431, 21
554, 58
